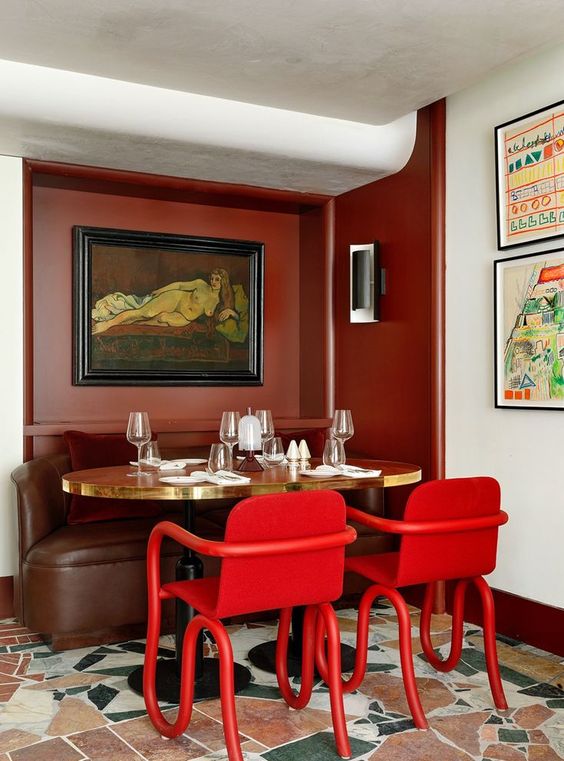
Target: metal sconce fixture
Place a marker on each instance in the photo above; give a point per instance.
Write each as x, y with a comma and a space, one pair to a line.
368, 282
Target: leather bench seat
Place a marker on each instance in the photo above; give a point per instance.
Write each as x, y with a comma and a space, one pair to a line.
93, 543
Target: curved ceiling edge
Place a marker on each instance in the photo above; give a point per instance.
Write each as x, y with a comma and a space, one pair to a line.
58, 115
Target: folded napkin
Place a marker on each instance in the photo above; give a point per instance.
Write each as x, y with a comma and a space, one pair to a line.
348, 471
322, 471
222, 477
172, 465
353, 471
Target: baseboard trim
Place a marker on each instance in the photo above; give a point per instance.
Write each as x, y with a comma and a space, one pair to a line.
6, 597
525, 620
516, 617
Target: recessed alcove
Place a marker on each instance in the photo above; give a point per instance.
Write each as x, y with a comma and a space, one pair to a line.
296, 229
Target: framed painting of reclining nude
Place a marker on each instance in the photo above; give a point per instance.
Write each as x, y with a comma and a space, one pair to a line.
529, 315
166, 310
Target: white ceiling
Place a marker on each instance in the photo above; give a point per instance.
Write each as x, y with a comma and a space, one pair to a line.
368, 61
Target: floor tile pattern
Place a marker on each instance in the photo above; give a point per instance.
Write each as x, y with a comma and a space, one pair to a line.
76, 705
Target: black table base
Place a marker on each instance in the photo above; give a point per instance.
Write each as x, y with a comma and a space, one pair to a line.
263, 656
207, 686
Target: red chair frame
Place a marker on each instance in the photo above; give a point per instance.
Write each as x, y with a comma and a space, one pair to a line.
156, 594
420, 528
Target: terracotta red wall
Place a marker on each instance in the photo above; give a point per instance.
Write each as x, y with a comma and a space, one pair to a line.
56, 210
383, 369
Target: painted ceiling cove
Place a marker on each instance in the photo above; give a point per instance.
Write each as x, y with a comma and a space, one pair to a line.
304, 95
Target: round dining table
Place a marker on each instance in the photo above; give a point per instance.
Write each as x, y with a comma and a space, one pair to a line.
117, 483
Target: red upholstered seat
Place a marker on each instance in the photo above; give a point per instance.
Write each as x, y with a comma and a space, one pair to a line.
201, 594
449, 531
382, 567
279, 551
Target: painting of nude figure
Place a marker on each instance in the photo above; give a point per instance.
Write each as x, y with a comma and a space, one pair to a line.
158, 309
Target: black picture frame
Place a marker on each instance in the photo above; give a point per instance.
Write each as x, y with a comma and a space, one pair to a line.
529, 331
206, 332
531, 150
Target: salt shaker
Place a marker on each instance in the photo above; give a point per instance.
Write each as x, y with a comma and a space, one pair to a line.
293, 454
304, 454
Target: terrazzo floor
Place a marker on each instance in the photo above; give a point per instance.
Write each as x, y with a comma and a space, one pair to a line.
76, 705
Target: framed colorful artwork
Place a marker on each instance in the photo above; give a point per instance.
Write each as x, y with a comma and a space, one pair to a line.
529, 331
166, 310
530, 177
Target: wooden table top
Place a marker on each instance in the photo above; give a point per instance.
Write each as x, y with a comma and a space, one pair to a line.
115, 483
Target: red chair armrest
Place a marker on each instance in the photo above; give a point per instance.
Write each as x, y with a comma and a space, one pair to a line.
231, 549
250, 549
426, 527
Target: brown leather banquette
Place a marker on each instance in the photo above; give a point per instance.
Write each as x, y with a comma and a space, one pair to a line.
84, 583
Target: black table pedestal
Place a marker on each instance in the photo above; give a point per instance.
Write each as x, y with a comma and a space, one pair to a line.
207, 686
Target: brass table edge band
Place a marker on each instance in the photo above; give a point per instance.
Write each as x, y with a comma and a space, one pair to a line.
211, 491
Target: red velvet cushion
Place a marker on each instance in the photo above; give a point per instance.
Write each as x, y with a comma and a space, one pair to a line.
101, 450
314, 438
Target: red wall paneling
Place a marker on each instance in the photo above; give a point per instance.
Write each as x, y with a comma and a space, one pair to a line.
292, 228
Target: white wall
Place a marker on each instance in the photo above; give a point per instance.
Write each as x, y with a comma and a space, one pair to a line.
11, 341
522, 448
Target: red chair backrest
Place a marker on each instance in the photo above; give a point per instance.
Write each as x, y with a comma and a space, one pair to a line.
280, 581
453, 555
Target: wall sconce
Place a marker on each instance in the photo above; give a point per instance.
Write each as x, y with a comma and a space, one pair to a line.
368, 282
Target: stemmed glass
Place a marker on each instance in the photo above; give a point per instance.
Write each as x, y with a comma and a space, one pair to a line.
266, 425
138, 433
229, 429
342, 428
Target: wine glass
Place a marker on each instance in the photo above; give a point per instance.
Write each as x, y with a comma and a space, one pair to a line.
151, 455
342, 427
334, 453
266, 425
138, 433
220, 458
229, 429
273, 451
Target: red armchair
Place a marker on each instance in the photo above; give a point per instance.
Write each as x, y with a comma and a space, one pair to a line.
449, 531
273, 556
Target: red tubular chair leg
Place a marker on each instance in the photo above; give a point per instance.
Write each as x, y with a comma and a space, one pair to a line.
406, 655
187, 678
363, 622
490, 643
306, 688
457, 627
227, 689
334, 680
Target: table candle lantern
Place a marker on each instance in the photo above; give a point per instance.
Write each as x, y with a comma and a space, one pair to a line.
250, 441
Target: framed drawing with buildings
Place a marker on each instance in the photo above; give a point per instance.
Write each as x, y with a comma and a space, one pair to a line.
529, 331
530, 177
156, 309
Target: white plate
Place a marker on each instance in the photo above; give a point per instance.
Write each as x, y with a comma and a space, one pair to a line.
181, 480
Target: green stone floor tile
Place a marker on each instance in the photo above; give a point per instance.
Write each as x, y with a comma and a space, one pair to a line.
254, 690
543, 690
513, 736
122, 715
318, 747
